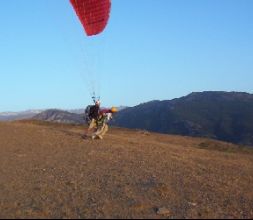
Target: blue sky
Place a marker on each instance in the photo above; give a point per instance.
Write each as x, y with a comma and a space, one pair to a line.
151, 49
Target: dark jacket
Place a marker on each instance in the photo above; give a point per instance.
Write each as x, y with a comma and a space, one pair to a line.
94, 112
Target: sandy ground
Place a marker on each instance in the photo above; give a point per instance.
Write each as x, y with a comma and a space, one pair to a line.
49, 171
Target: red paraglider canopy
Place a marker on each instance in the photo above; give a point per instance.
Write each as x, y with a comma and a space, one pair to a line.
93, 14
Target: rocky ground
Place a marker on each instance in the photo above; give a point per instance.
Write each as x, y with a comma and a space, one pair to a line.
48, 171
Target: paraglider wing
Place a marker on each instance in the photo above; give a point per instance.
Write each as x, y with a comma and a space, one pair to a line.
93, 14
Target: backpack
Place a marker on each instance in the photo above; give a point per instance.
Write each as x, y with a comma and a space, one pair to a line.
87, 114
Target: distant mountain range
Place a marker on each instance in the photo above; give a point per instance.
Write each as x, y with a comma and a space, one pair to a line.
10, 116
69, 117
60, 116
226, 116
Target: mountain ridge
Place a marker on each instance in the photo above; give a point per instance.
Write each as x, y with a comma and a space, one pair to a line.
226, 116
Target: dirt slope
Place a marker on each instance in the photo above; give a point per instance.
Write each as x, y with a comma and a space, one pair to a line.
49, 171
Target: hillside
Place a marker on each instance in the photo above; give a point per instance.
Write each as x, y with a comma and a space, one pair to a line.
48, 171
226, 116
12, 116
60, 116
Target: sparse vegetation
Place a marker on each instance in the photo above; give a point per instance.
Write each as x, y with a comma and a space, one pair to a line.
48, 171
224, 147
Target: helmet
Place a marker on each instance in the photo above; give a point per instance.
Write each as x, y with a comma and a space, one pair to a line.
114, 110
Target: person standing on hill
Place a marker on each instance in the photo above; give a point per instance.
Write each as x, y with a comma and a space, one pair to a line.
92, 114
105, 116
